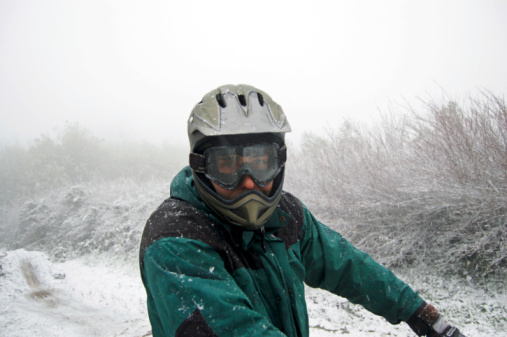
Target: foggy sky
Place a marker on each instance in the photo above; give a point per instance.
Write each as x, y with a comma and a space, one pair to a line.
136, 68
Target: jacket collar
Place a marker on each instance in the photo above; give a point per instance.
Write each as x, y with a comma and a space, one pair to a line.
183, 188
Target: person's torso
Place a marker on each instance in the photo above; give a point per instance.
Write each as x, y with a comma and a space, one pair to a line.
266, 266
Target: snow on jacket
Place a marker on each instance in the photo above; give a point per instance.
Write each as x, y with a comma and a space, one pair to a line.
204, 277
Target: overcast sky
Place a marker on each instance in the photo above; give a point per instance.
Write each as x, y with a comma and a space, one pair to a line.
136, 68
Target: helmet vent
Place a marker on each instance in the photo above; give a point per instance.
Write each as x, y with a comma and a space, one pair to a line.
221, 101
261, 99
242, 100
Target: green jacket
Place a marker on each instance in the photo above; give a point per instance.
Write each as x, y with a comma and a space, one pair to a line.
206, 278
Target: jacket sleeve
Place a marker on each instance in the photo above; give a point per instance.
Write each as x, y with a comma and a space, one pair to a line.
190, 293
333, 264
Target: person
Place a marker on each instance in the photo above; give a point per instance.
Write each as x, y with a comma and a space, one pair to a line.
229, 253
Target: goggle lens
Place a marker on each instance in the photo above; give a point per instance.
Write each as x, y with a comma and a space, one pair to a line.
227, 165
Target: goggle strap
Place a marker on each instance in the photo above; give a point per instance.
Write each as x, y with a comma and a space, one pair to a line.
197, 162
282, 156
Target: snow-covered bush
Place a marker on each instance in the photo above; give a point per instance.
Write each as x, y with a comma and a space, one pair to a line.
427, 188
91, 218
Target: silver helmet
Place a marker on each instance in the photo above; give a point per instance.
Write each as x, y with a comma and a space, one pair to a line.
234, 114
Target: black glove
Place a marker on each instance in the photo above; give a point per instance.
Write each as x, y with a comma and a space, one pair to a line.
426, 321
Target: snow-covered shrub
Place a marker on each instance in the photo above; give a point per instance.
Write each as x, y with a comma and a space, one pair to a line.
428, 188
91, 218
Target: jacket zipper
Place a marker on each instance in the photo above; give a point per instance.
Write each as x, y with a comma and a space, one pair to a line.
289, 291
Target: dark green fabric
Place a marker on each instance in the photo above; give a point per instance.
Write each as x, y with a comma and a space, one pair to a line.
182, 275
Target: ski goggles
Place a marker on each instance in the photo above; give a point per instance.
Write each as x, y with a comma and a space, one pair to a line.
226, 165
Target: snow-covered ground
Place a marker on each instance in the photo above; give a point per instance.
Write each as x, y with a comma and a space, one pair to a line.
102, 296
73, 298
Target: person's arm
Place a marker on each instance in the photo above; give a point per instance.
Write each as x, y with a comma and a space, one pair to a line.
332, 263
190, 293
